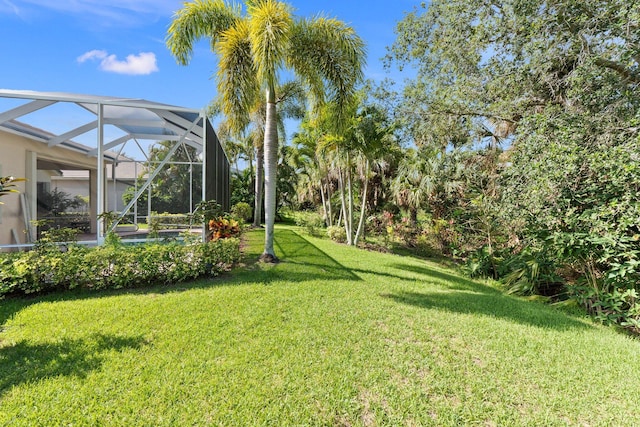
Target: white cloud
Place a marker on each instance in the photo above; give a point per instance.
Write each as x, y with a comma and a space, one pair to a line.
98, 12
7, 7
141, 64
92, 54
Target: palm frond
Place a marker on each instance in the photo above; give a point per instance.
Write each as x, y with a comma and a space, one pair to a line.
236, 75
269, 22
196, 20
328, 54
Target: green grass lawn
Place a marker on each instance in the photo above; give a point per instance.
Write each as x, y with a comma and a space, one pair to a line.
330, 336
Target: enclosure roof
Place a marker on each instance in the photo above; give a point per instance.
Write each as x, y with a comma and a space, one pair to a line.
31, 132
135, 119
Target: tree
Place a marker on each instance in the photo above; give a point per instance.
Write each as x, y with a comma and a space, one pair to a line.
366, 140
326, 54
291, 100
312, 167
557, 80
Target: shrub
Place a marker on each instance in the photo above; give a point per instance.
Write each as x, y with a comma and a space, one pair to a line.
310, 221
531, 271
207, 210
337, 233
242, 211
223, 228
113, 266
619, 307
166, 221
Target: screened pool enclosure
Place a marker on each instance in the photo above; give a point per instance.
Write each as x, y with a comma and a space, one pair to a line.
50, 137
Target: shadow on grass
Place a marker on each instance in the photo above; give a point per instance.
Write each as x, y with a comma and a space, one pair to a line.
451, 281
300, 261
486, 302
303, 261
24, 362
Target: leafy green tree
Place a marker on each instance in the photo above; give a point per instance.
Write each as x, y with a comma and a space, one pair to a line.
324, 53
366, 140
241, 187
312, 168
557, 82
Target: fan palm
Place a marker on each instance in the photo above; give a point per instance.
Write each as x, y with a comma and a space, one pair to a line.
324, 53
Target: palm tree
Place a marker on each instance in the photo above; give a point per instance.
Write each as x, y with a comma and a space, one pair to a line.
362, 149
312, 167
325, 54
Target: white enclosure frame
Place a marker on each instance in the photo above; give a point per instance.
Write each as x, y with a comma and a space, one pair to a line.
137, 118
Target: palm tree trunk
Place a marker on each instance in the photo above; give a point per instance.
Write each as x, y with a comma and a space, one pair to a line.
343, 213
271, 163
250, 156
329, 197
257, 208
324, 204
364, 204
350, 201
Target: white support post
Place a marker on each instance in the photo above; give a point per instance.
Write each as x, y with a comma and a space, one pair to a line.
115, 188
135, 190
204, 169
100, 177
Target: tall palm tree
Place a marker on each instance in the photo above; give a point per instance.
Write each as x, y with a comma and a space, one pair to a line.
326, 54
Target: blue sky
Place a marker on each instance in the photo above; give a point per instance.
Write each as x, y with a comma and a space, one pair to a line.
116, 47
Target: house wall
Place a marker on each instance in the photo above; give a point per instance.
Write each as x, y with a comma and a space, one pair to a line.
18, 158
79, 186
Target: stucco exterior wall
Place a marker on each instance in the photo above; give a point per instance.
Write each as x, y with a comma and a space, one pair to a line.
17, 157
12, 163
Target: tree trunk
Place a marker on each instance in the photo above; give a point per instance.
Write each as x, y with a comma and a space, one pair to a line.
324, 204
350, 201
343, 213
270, 180
329, 196
359, 232
259, 180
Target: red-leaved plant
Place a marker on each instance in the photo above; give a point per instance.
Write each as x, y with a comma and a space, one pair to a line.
223, 228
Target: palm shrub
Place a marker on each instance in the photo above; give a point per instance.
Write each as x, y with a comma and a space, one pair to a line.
8, 185
531, 271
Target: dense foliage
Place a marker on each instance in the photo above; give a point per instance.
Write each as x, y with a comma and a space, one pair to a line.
554, 85
113, 266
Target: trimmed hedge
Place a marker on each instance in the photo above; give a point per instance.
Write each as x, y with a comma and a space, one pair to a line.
113, 266
165, 221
